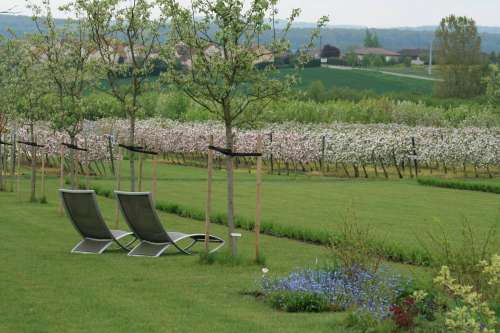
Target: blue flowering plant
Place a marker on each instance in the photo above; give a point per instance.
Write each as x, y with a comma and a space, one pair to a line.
335, 289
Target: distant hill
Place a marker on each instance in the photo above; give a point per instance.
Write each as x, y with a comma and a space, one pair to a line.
393, 39
344, 37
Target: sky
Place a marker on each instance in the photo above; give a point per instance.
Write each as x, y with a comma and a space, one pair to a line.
371, 13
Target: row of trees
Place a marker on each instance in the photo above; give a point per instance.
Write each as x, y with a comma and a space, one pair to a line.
48, 74
357, 150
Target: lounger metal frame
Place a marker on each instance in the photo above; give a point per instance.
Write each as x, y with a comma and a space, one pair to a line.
162, 247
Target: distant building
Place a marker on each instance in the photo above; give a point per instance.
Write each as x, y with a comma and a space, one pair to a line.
415, 55
365, 51
314, 53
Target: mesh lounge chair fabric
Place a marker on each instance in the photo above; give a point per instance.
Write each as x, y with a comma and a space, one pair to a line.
83, 212
140, 214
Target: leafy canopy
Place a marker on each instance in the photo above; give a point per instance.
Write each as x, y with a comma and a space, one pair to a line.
218, 44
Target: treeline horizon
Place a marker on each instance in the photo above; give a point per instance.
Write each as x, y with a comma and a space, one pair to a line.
393, 39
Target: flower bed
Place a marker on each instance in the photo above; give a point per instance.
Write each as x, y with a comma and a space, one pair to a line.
335, 289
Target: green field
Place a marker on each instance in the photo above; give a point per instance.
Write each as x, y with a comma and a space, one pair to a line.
47, 289
401, 213
363, 80
422, 71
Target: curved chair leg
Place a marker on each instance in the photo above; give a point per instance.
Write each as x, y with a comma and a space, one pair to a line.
126, 247
148, 249
212, 239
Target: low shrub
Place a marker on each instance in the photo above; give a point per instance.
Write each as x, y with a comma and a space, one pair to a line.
464, 255
473, 308
222, 258
460, 185
353, 247
363, 322
299, 301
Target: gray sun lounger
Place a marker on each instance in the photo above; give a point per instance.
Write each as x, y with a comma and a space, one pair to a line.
141, 216
85, 215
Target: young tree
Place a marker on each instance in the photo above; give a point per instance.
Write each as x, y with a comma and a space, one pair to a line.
66, 53
351, 58
371, 39
126, 38
317, 91
407, 62
492, 82
26, 88
459, 56
4, 110
222, 40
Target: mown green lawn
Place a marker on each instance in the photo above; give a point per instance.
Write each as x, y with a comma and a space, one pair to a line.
363, 80
44, 288
399, 212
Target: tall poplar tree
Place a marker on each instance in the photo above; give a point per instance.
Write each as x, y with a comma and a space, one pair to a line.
459, 57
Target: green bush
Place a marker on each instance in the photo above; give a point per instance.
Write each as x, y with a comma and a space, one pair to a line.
299, 302
460, 185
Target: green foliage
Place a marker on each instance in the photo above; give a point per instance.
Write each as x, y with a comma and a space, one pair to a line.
351, 58
222, 75
317, 91
174, 105
222, 258
66, 52
371, 39
407, 61
463, 257
220, 72
25, 83
459, 56
380, 110
492, 82
460, 185
352, 245
472, 309
299, 301
363, 322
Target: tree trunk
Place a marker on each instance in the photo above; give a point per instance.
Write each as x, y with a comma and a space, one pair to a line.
13, 159
230, 190
131, 154
33, 165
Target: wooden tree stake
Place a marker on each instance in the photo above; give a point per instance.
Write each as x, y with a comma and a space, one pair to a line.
118, 188
61, 176
155, 177
208, 208
258, 189
87, 166
141, 167
43, 177
18, 174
